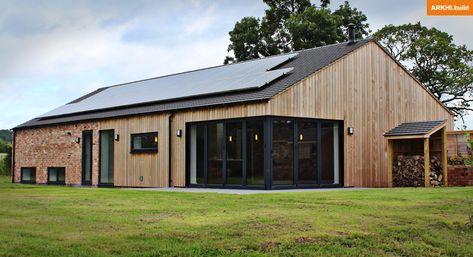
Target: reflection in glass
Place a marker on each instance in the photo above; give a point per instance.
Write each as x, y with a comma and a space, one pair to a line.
307, 147
215, 153
283, 152
255, 152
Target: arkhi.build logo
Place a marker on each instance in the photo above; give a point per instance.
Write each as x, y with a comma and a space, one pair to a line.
449, 7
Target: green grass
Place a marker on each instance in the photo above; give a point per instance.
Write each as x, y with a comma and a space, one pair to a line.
2, 163
65, 221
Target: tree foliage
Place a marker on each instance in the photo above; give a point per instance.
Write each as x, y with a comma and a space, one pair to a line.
290, 25
5, 163
431, 55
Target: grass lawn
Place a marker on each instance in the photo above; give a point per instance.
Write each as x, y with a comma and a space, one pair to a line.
66, 221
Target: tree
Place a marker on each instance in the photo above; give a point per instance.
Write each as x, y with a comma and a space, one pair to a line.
290, 25
430, 54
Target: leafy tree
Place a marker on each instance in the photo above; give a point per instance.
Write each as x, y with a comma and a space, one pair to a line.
6, 135
290, 25
442, 66
5, 163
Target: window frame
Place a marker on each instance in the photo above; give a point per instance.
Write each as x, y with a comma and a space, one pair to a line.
144, 150
27, 181
56, 182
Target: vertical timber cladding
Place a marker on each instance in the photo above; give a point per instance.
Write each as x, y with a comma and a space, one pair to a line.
130, 167
370, 92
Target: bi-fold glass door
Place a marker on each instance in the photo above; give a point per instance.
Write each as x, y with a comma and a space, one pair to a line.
267, 152
305, 153
226, 153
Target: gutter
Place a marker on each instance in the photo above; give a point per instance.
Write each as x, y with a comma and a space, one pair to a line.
171, 116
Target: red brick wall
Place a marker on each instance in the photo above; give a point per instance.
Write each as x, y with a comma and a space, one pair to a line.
53, 147
460, 175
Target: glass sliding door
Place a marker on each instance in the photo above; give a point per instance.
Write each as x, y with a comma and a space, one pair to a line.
215, 153
87, 157
307, 152
255, 152
106, 166
283, 152
197, 151
234, 149
330, 154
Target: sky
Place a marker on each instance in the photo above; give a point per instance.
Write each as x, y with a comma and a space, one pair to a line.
52, 52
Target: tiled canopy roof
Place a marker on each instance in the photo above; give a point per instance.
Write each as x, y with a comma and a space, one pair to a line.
414, 128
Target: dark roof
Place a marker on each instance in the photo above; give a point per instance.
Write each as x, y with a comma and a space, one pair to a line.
414, 128
305, 63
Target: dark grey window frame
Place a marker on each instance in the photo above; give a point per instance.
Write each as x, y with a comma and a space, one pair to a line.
27, 181
144, 150
268, 135
56, 182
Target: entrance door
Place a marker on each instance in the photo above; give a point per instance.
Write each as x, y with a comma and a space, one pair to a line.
87, 157
106, 166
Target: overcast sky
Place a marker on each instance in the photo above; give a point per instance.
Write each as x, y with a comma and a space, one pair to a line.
52, 52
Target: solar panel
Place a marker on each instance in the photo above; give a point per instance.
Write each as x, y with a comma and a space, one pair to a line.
227, 78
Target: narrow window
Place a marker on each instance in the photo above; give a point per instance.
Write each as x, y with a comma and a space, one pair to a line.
28, 175
56, 175
144, 142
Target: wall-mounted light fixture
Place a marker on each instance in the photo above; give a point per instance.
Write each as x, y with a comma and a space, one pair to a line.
301, 137
351, 130
179, 133
117, 137
77, 140
230, 139
256, 137
156, 139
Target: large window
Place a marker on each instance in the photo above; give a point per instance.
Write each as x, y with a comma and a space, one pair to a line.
106, 166
307, 152
144, 142
283, 152
215, 153
255, 152
87, 157
330, 153
56, 175
197, 154
28, 175
234, 153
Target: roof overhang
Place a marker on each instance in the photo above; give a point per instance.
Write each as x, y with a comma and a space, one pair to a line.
415, 130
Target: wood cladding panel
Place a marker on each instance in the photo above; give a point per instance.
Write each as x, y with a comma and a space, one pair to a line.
153, 167
370, 92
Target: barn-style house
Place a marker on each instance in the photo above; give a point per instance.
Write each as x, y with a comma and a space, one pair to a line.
321, 117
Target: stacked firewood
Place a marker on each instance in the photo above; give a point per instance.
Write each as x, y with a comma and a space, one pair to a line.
408, 171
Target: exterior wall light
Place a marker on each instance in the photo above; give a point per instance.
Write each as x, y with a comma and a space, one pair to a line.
301, 137
179, 133
256, 137
77, 140
230, 139
351, 130
117, 137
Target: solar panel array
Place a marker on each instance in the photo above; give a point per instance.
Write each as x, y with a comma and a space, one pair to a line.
221, 79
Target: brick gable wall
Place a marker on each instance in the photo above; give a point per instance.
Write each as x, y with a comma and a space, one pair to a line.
54, 147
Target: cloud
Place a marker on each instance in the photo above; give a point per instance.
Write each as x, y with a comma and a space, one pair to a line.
52, 52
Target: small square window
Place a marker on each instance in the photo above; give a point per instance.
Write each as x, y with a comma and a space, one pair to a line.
28, 175
56, 175
144, 142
